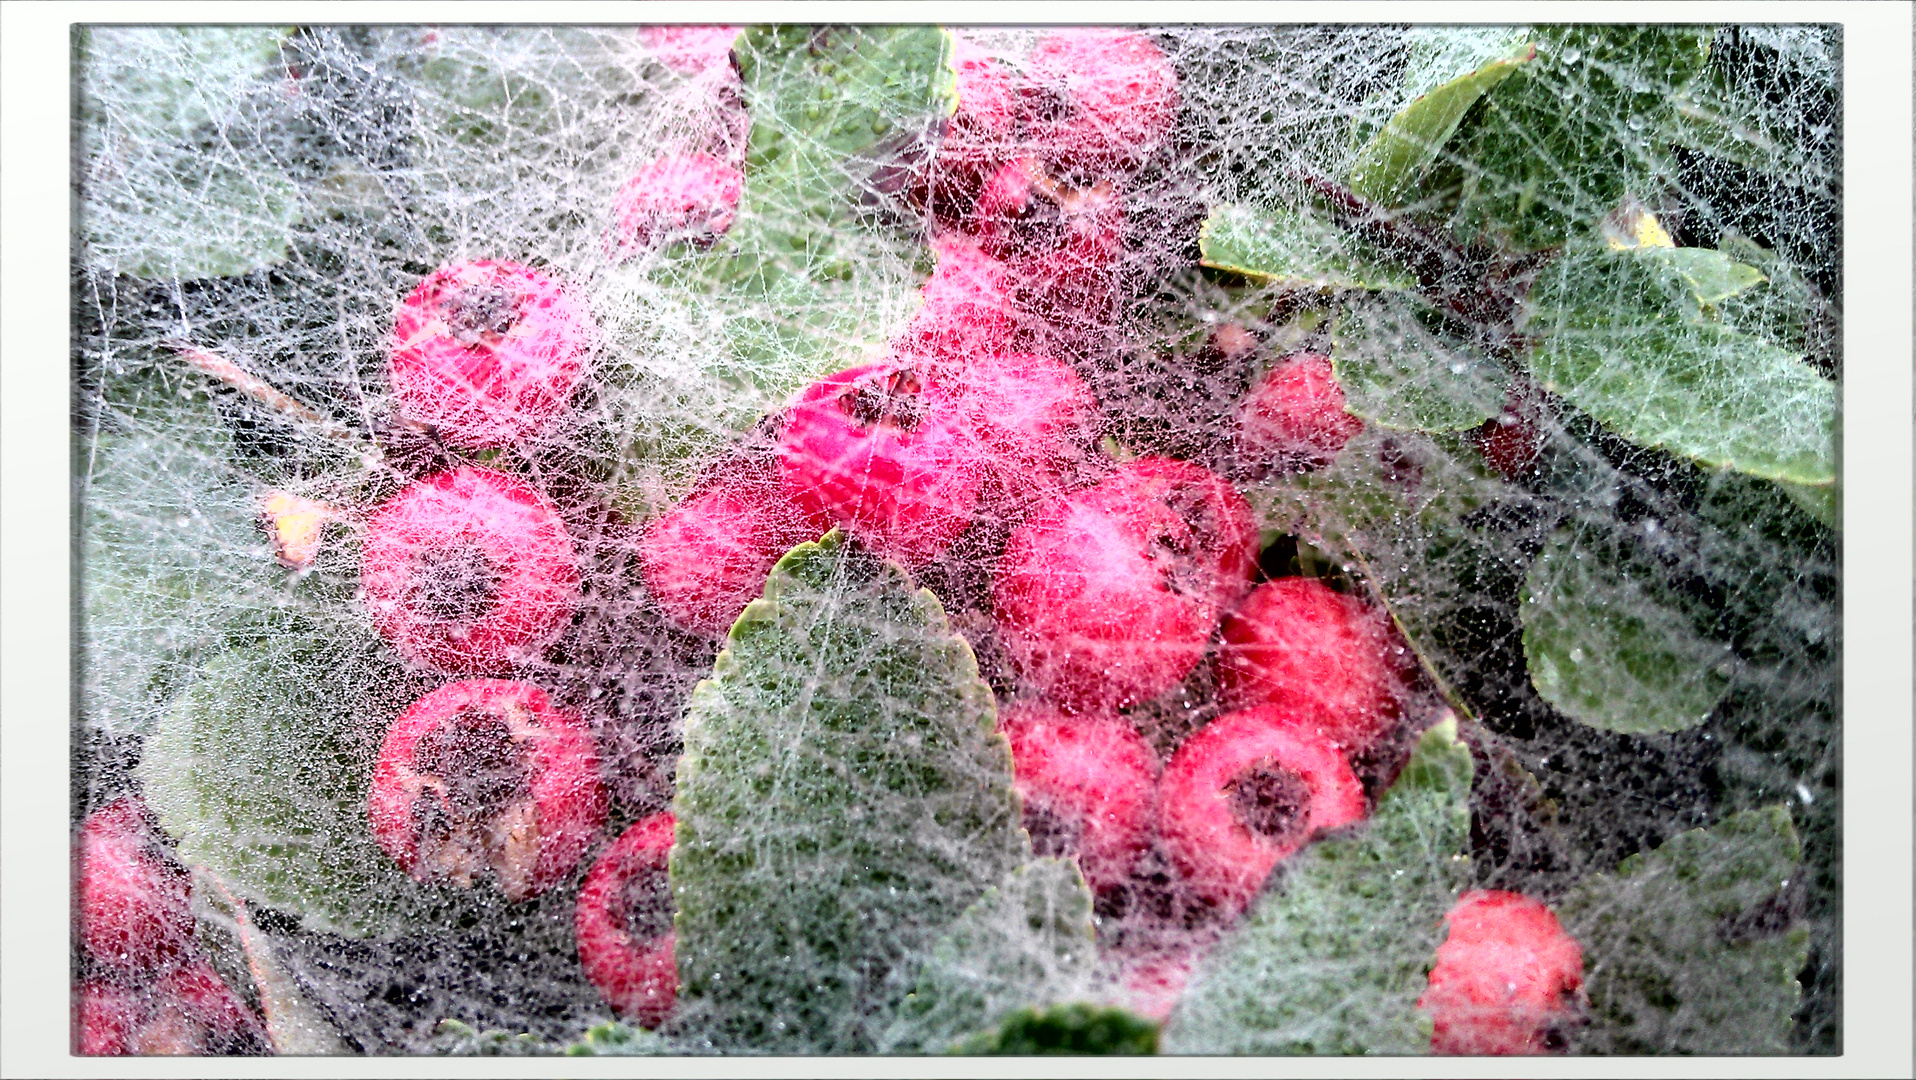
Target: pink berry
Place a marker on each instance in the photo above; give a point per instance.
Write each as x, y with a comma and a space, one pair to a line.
1217, 514
624, 923
487, 353
967, 307
485, 776
1508, 979
1089, 788
1105, 98
1512, 440
690, 50
1325, 658
1294, 416
132, 914
1108, 596
690, 197
1031, 414
708, 557
468, 571
1245, 792
186, 1010
981, 133
883, 450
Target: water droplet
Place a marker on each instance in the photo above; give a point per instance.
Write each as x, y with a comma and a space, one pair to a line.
1803, 793
1635, 123
1576, 655
1571, 56
1458, 368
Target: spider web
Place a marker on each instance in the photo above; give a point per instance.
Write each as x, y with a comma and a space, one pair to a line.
1625, 239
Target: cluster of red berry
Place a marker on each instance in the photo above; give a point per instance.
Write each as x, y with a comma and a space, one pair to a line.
147, 987
1110, 582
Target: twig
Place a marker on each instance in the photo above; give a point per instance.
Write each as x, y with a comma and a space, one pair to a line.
292, 409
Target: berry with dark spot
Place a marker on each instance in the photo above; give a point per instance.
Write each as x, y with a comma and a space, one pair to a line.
1508, 979
1089, 788
1108, 596
883, 450
468, 571
624, 923
486, 353
1246, 791
486, 778
690, 50
1325, 658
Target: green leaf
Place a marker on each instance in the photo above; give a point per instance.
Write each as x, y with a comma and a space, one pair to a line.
171, 562
620, 1040
1290, 246
1389, 166
1824, 502
1333, 960
1687, 949
1024, 944
456, 1038
1567, 136
1624, 340
174, 184
1073, 1028
1399, 368
842, 797
260, 768
1609, 644
1711, 275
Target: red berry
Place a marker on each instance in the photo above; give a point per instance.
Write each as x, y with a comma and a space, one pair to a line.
1108, 596
1089, 788
468, 571
690, 50
884, 450
1512, 441
186, 1010
1105, 98
1325, 658
708, 557
487, 352
1029, 412
624, 923
1294, 416
690, 197
967, 305
981, 133
1218, 516
133, 914
485, 776
1249, 789
1508, 979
